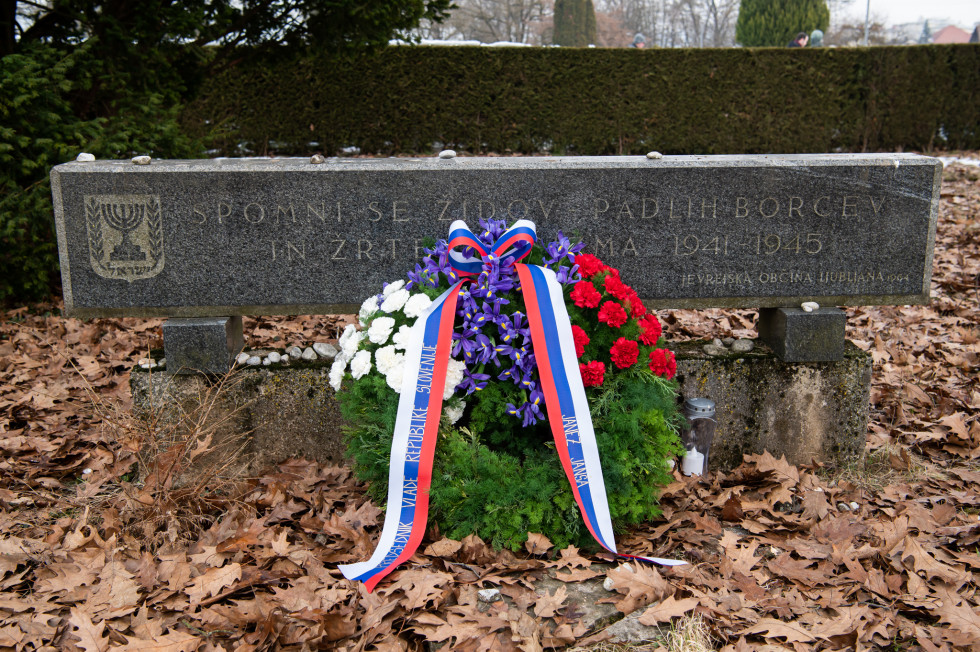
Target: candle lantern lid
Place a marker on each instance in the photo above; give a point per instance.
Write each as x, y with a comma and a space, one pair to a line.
699, 408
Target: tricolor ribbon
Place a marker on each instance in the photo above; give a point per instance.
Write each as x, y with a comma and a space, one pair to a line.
420, 402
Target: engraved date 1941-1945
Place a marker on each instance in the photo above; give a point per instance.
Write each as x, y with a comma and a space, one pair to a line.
762, 244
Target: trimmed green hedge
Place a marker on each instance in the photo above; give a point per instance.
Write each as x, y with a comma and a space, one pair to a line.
596, 101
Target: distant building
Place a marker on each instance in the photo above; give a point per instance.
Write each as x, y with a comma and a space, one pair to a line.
975, 36
951, 34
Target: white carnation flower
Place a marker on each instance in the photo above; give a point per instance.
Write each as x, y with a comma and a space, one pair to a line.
415, 306
395, 301
454, 414
381, 329
361, 364
400, 339
368, 308
454, 376
391, 288
337, 371
385, 358
396, 375
349, 341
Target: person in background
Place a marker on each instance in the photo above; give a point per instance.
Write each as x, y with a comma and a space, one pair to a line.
639, 41
800, 41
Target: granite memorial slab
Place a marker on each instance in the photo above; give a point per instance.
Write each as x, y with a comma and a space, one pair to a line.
227, 237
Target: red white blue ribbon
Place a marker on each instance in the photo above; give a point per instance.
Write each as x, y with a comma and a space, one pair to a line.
420, 403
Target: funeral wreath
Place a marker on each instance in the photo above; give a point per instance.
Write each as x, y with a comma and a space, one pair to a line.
496, 470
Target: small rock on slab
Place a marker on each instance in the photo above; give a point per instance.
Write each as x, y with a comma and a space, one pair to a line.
274, 358
309, 354
447, 153
85, 157
714, 349
654, 156
742, 346
316, 159
325, 350
254, 360
294, 352
488, 595
242, 358
141, 160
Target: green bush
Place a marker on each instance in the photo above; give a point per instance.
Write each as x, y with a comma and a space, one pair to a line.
597, 101
39, 128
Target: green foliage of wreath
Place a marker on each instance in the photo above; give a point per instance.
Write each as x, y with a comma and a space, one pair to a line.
495, 478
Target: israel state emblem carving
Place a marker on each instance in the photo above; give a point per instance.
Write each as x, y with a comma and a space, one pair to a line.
125, 235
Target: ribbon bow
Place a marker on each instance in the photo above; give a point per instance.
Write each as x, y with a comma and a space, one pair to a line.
420, 402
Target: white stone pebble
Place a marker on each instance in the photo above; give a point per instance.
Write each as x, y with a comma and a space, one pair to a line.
714, 349
488, 595
728, 341
654, 155
162, 362
717, 342
254, 361
810, 306
274, 357
141, 160
742, 346
854, 506
294, 352
325, 350
266, 361
242, 358
447, 153
608, 584
843, 507
85, 157
309, 354
316, 159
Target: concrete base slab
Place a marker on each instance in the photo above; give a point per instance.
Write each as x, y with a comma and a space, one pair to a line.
805, 411
812, 411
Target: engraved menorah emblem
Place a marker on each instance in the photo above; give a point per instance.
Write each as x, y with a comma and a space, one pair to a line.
125, 216
125, 235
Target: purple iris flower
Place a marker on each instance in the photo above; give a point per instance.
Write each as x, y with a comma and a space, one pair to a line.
568, 275
473, 382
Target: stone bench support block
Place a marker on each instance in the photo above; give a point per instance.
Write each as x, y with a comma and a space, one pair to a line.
207, 345
799, 336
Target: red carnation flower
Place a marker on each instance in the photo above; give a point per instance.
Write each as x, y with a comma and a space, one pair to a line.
581, 340
612, 313
662, 363
585, 295
650, 329
593, 373
588, 265
637, 309
617, 288
624, 353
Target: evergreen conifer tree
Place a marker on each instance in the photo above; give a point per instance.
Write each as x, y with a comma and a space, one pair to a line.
575, 24
925, 38
776, 22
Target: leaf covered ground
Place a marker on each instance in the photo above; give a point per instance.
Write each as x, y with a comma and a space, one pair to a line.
99, 550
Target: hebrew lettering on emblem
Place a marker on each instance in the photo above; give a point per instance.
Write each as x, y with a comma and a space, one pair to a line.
125, 235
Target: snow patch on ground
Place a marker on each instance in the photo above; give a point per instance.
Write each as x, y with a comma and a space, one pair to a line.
947, 160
